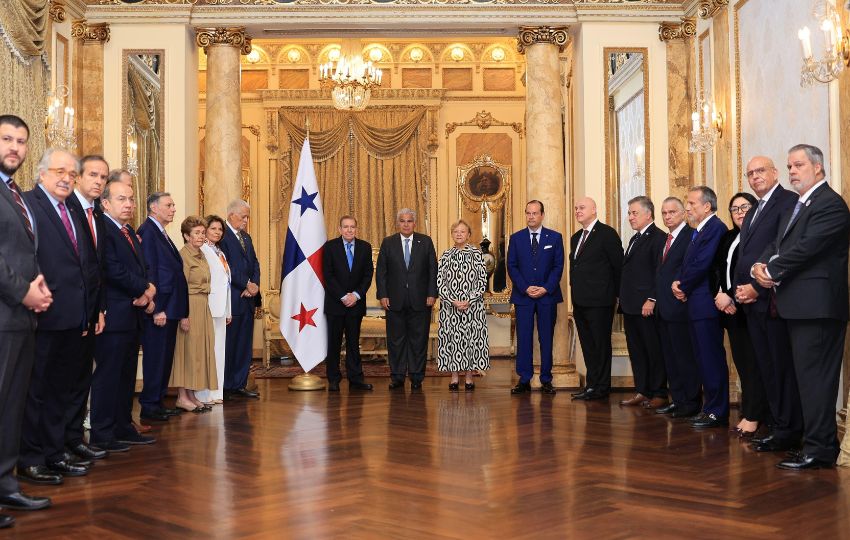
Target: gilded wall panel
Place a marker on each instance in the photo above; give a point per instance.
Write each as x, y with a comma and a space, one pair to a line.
298, 79
499, 79
416, 78
457, 78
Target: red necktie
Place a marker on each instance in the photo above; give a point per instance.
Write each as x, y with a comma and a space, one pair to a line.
127, 236
89, 212
66, 221
13, 187
667, 246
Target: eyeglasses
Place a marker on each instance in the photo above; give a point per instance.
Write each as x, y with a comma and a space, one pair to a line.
743, 208
61, 173
758, 172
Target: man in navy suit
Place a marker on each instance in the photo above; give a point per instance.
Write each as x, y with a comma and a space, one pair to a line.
129, 295
807, 267
682, 370
66, 257
692, 287
347, 269
535, 266
172, 304
768, 332
245, 297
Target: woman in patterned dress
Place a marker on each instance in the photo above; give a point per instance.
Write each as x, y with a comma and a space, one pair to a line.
461, 281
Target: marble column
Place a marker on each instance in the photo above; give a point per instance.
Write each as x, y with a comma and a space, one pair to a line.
844, 144
222, 144
88, 84
545, 174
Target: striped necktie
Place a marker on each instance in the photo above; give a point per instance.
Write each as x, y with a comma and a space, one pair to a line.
16, 194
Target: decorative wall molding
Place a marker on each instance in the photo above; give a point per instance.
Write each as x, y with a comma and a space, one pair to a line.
57, 11
531, 35
686, 28
233, 36
379, 93
90, 32
707, 8
484, 120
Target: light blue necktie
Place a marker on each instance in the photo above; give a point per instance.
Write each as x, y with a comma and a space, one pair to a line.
349, 253
407, 252
793, 216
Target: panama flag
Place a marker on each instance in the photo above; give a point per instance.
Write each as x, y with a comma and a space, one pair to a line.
302, 299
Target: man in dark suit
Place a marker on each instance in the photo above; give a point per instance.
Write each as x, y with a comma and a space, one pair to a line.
637, 302
535, 266
69, 263
129, 294
347, 269
23, 293
172, 304
807, 267
768, 332
87, 190
692, 287
245, 298
406, 279
682, 370
596, 260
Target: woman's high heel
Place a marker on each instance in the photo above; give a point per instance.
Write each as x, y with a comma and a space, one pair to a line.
453, 387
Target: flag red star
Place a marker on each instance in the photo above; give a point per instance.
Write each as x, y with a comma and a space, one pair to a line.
305, 317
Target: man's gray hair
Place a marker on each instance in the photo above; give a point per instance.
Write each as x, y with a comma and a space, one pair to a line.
707, 195
676, 200
44, 162
645, 202
405, 211
115, 175
237, 204
814, 154
154, 198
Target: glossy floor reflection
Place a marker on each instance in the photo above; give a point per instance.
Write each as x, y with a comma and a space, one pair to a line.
438, 465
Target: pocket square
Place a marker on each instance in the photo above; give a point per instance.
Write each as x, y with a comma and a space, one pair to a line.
547, 247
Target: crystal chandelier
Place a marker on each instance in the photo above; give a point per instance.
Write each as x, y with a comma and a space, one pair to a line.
59, 124
707, 126
837, 46
351, 81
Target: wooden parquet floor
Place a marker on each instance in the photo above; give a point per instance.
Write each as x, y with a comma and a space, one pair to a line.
438, 465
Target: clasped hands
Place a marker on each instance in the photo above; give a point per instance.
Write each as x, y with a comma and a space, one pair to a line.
723, 302
38, 297
759, 271
534, 291
146, 299
677, 292
429, 301
251, 289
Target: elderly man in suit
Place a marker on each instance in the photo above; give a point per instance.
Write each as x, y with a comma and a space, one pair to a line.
172, 304
129, 294
535, 266
245, 297
768, 332
596, 261
807, 267
406, 280
70, 267
637, 302
347, 269
23, 293
692, 287
682, 370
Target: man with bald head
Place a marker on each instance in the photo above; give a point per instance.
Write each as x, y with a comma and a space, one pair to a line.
596, 262
768, 332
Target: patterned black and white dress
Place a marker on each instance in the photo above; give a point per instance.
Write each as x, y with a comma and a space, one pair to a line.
463, 344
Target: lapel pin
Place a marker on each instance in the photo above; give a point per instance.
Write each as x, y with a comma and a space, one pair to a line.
808, 202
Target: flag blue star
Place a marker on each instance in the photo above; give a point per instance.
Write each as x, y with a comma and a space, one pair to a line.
306, 201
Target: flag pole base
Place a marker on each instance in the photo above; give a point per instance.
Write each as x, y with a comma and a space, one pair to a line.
307, 382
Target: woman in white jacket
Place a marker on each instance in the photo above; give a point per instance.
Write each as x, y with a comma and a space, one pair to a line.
219, 299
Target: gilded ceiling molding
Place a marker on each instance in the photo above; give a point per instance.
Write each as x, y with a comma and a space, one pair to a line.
707, 8
531, 35
668, 31
233, 36
90, 32
290, 94
57, 11
483, 120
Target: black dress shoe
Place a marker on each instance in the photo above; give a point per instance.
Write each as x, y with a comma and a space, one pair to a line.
87, 451
706, 421
76, 460
591, 394
245, 393
521, 388
774, 445
176, 411
804, 463
66, 468
158, 416
134, 439
22, 501
6, 521
668, 409
762, 440
547, 388
684, 413
359, 385
333, 387
39, 474
395, 385
580, 391
416, 385
114, 447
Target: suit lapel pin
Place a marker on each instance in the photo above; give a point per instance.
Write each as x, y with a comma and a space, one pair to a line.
808, 202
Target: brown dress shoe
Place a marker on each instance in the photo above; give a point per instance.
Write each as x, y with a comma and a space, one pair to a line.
141, 428
655, 403
636, 401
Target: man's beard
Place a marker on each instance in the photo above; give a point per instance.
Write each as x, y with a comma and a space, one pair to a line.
6, 170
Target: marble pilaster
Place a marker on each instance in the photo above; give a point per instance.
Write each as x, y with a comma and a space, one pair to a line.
680, 52
88, 84
844, 144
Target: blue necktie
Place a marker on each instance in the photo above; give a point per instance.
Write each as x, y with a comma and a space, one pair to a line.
349, 253
694, 236
407, 252
793, 216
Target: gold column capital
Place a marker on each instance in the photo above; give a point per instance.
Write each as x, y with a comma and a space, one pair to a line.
57, 11
234, 36
707, 8
531, 35
668, 31
90, 32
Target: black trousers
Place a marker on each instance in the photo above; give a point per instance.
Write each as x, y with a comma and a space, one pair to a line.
349, 323
594, 334
682, 369
58, 363
753, 397
17, 352
80, 388
113, 385
818, 346
407, 343
772, 346
645, 354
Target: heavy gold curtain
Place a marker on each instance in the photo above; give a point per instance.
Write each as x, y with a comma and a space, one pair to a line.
25, 80
368, 164
145, 101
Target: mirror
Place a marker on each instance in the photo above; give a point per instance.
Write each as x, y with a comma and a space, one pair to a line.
484, 202
626, 133
143, 124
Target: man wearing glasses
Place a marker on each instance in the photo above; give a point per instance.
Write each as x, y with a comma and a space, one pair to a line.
768, 332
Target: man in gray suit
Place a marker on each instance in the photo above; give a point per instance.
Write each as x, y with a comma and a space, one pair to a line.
23, 293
